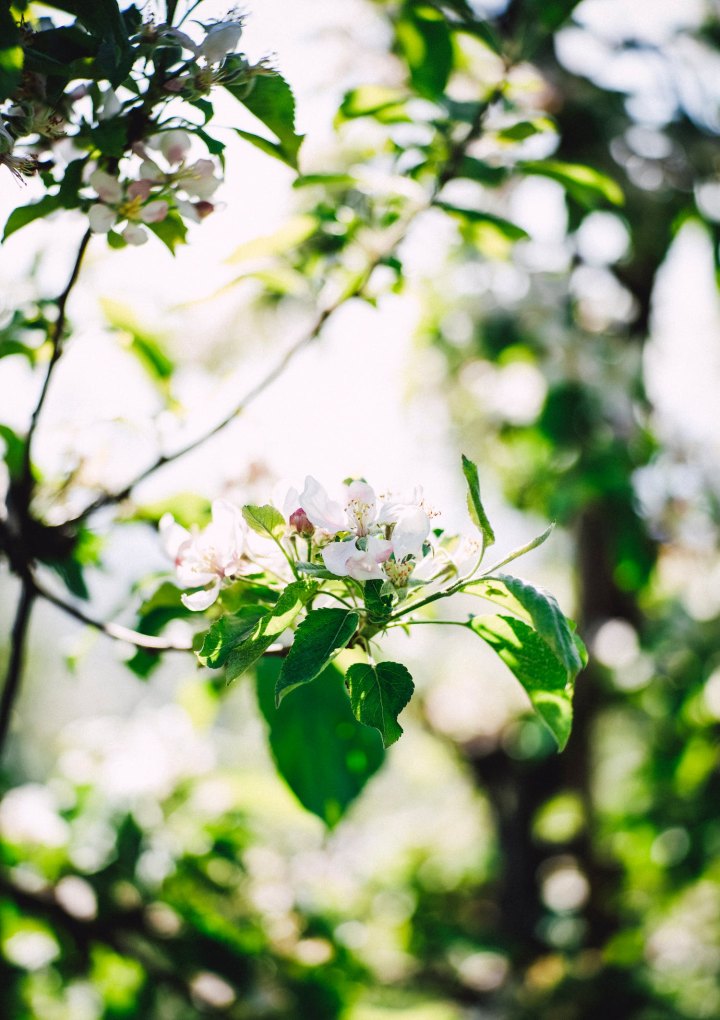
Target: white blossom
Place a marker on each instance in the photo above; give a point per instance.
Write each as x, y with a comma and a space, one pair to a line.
220, 40
207, 557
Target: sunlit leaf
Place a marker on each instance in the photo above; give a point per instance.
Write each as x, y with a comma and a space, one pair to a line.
378, 693
317, 639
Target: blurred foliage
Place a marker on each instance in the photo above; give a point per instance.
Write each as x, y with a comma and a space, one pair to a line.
599, 894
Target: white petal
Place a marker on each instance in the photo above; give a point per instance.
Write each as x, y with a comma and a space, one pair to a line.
336, 555
101, 218
361, 507
172, 535
154, 211
291, 503
364, 567
220, 40
134, 235
379, 549
323, 512
410, 532
108, 187
200, 600
174, 145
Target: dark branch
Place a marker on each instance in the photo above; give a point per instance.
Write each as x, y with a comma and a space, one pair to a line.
26, 483
13, 675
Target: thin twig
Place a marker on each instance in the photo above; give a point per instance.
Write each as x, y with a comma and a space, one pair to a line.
116, 631
26, 483
13, 675
449, 171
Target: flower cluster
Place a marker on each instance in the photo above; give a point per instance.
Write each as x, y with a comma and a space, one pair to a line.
358, 537
363, 540
149, 197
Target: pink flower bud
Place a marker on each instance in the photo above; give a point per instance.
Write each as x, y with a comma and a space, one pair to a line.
300, 522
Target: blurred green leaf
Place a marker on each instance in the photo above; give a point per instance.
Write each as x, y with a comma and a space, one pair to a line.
11, 55
324, 755
587, 186
25, 214
424, 40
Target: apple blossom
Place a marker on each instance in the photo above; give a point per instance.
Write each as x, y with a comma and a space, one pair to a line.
207, 557
361, 562
220, 40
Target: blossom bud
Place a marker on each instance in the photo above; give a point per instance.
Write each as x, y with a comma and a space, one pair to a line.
300, 522
204, 209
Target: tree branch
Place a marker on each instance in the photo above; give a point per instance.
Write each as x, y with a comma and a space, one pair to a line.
25, 486
116, 631
448, 172
13, 675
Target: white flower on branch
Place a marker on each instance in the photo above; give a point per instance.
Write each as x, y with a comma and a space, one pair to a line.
209, 557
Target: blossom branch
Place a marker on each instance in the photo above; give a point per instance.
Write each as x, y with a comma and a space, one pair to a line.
116, 631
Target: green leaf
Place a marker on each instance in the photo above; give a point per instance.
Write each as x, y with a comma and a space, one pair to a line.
378, 599
265, 521
14, 450
149, 349
171, 231
71, 574
338, 180
11, 55
269, 628
478, 170
378, 694
226, 633
324, 755
539, 608
587, 186
264, 144
511, 231
271, 100
424, 40
533, 663
164, 605
373, 100
321, 634
25, 214
289, 236
186, 507
477, 511
102, 18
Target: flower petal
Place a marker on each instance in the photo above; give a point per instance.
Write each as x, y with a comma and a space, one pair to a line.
336, 555
200, 600
172, 535
323, 512
410, 532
